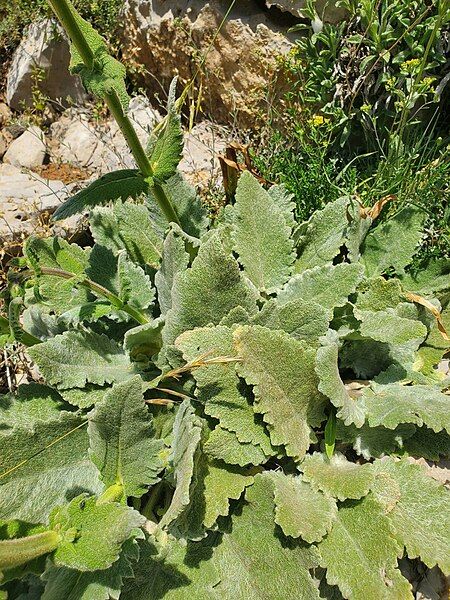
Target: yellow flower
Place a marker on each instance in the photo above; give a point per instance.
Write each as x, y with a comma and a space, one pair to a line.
318, 120
410, 65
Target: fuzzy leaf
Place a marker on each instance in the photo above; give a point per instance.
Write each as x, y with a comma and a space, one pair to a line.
89, 313
79, 357
433, 277
324, 236
428, 444
337, 476
278, 569
127, 227
393, 243
183, 197
281, 370
108, 74
224, 445
360, 554
135, 286
328, 285
222, 484
102, 529
56, 294
300, 510
392, 404
302, 319
122, 440
144, 341
421, 516
373, 442
261, 235
70, 584
174, 259
122, 184
85, 397
33, 403
218, 386
44, 468
332, 386
207, 291
387, 326
165, 152
187, 431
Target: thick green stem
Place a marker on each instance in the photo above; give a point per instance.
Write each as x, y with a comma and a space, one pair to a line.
65, 13
99, 290
14, 553
140, 157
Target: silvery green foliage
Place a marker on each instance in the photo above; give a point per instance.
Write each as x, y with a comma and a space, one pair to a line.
176, 445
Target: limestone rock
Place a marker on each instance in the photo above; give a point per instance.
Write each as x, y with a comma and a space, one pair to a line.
45, 48
326, 10
100, 147
28, 150
168, 36
24, 197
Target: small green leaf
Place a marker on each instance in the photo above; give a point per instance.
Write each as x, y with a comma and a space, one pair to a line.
421, 516
261, 235
224, 445
122, 184
79, 357
100, 531
122, 440
281, 370
166, 151
174, 259
300, 510
337, 476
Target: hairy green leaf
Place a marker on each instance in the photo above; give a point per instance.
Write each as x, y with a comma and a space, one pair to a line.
101, 530
393, 243
144, 341
127, 227
218, 386
278, 569
421, 516
122, 184
107, 75
187, 432
300, 510
106, 584
261, 235
392, 404
224, 445
281, 370
79, 357
207, 291
33, 403
122, 441
337, 476
360, 553
302, 319
373, 442
328, 285
324, 235
332, 386
44, 468
174, 259
166, 150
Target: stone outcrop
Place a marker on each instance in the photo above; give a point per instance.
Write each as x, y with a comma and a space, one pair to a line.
170, 37
28, 150
43, 49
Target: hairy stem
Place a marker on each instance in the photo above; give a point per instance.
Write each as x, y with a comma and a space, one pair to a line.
14, 553
65, 13
99, 290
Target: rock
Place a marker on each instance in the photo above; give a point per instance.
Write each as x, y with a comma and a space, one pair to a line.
327, 11
28, 150
202, 145
24, 198
3, 143
102, 147
43, 48
168, 36
5, 114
